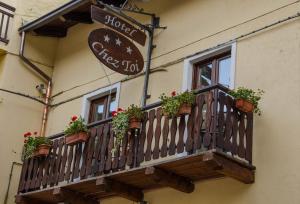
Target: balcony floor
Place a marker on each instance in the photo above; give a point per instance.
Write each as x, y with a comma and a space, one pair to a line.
179, 173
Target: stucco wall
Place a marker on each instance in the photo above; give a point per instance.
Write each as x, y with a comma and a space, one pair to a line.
18, 114
268, 60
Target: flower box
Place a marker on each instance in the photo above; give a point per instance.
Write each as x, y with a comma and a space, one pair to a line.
76, 138
184, 109
42, 150
244, 105
134, 123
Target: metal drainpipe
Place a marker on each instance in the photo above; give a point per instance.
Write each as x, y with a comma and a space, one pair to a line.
45, 77
149, 56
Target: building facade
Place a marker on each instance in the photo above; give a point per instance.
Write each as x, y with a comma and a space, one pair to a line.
254, 44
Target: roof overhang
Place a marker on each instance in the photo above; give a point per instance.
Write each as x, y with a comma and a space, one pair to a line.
57, 22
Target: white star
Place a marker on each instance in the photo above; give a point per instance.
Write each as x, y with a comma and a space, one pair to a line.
129, 50
118, 42
106, 38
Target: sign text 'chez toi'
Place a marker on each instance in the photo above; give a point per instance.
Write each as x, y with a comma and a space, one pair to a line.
113, 49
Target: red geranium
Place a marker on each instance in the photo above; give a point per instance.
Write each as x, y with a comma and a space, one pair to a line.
114, 113
120, 110
28, 134
173, 93
74, 118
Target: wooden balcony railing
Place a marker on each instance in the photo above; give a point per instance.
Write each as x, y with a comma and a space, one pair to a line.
6, 13
214, 125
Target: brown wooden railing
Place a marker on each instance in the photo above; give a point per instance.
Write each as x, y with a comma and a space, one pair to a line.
6, 13
215, 124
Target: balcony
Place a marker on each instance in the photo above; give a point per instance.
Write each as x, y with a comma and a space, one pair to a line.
6, 13
214, 141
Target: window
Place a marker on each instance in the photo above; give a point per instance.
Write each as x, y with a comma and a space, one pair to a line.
209, 68
213, 70
101, 108
98, 105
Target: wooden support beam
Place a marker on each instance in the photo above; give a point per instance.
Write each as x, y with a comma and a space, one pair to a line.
170, 179
52, 31
64, 195
235, 170
120, 189
80, 17
25, 200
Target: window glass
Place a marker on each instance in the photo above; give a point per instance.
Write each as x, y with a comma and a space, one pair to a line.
113, 105
224, 71
205, 75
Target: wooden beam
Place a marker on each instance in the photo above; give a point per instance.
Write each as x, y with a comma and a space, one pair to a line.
170, 179
51, 31
120, 189
25, 200
80, 17
64, 195
234, 170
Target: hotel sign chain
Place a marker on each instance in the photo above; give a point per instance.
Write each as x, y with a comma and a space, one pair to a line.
112, 48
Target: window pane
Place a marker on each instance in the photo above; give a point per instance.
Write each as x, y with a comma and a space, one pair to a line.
113, 105
205, 75
224, 71
99, 111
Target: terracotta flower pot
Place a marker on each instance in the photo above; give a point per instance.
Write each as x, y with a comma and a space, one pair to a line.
76, 138
244, 105
42, 150
184, 109
134, 123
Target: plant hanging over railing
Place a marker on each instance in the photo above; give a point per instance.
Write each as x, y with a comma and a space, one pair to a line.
76, 125
173, 104
247, 99
120, 124
32, 142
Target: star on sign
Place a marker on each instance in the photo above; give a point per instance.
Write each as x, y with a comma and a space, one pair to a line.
106, 38
118, 42
129, 50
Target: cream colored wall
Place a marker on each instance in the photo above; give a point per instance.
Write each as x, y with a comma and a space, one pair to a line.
18, 114
268, 60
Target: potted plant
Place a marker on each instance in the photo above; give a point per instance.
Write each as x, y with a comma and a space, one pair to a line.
36, 146
177, 104
135, 115
120, 124
76, 131
247, 100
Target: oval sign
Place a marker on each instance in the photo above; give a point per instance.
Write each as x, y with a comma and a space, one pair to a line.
116, 51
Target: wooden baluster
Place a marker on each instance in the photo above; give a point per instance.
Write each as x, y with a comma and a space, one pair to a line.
130, 154
235, 127
198, 121
84, 158
78, 154
228, 125
249, 137
172, 145
23, 176
181, 128
221, 133
208, 120
99, 139
164, 146
123, 156
47, 168
63, 163
150, 136
34, 173
190, 128
52, 162
241, 149
157, 133
142, 139
69, 164
58, 162
90, 153
104, 148
29, 174
109, 151
116, 156
40, 175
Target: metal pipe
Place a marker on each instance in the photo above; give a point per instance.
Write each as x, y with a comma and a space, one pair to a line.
45, 77
9, 180
148, 65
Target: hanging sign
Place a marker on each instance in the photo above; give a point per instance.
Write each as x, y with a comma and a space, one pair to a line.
118, 24
116, 51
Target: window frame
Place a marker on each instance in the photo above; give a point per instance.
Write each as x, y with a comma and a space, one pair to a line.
189, 63
88, 98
